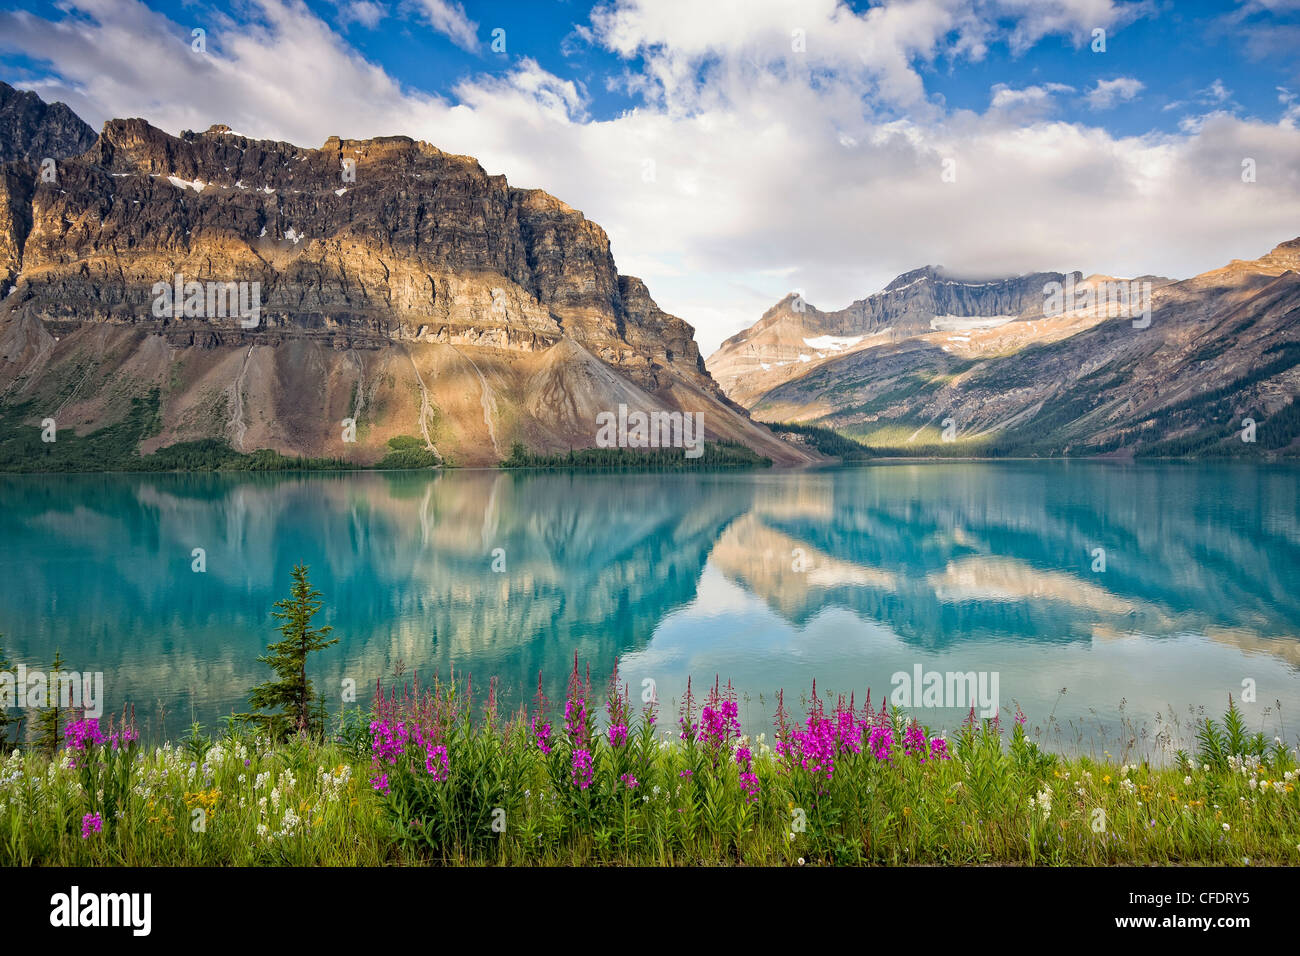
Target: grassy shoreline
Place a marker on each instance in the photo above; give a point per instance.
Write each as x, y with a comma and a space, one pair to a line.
426, 778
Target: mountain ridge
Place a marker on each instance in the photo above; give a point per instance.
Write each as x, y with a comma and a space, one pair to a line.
1180, 379
399, 286
35, 130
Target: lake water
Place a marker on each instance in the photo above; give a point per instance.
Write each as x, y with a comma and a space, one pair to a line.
772, 579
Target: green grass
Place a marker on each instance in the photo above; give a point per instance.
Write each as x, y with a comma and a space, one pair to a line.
652, 799
407, 451
115, 448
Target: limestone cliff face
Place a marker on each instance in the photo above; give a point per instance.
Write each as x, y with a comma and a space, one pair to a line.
35, 130
398, 285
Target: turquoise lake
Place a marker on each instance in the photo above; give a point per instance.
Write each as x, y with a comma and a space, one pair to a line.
769, 578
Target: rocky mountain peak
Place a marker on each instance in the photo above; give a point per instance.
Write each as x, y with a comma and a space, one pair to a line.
1284, 254
925, 273
34, 130
396, 284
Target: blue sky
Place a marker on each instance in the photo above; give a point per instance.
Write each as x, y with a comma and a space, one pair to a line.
731, 162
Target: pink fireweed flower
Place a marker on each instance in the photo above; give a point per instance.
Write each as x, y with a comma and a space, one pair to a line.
748, 779
388, 740
436, 763
629, 780
575, 706
939, 749
618, 709
581, 771
848, 732
687, 728
914, 742
380, 782
91, 823
720, 725
880, 741
575, 717
542, 735
816, 746
78, 734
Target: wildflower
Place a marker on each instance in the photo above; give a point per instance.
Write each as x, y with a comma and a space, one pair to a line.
748, 779
388, 740
79, 733
1187, 781
617, 734
880, 740
575, 717
581, 769
542, 735
629, 780
379, 782
1226, 828
436, 763
91, 823
720, 724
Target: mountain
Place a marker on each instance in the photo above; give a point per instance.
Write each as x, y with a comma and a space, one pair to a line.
793, 337
447, 313
33, 130
1003, 369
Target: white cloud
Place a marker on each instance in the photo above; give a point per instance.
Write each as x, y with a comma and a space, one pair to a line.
1291, 103
1076, 19
774, 170
1109, 92
364, 12
1035, 98
1215, 93
448, 17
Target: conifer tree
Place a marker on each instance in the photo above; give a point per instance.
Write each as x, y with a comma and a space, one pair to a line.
288, 703
6, 719
48, 723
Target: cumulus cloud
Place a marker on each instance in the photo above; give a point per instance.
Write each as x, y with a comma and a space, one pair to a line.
1030, 98
1109, 92
759, 160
